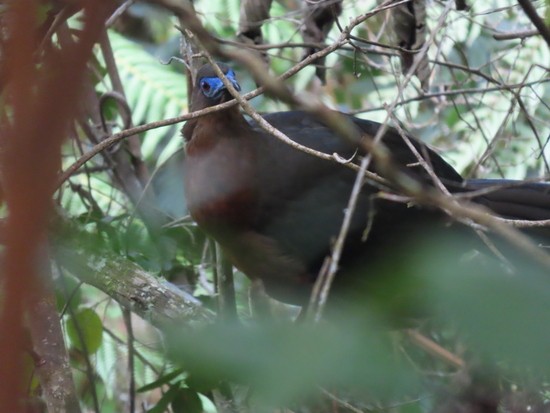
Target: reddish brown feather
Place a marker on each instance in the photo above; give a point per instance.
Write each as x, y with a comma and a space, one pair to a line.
220, 177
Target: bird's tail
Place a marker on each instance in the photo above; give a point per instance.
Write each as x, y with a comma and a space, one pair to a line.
513, 199
516, 200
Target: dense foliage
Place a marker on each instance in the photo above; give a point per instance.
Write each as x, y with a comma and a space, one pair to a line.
122, 226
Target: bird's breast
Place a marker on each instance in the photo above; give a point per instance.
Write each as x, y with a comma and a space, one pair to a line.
220, 185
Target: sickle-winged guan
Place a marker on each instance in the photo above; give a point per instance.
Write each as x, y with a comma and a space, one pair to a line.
276, 210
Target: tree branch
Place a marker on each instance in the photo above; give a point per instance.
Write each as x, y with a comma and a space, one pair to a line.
150, 297
530, 11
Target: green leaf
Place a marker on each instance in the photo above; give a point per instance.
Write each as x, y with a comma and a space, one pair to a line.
500, 316
201, 384
68, 288
85, 331
285, 362
28, 370
165, 400
109, 108
167, 378
187, 401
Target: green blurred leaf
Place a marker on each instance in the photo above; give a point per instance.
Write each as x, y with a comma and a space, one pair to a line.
29, 368
110, 109
502, 317
167, 378
85, 330
165, 400
201, 384
187, 401
286, 362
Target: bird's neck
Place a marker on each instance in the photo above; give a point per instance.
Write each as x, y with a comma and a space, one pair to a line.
200, 131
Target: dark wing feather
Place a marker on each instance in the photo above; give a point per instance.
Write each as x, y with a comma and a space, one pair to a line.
303, 198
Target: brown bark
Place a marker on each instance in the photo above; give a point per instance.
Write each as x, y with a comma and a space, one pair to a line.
43, 101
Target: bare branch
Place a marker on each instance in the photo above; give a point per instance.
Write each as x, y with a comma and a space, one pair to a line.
530, 11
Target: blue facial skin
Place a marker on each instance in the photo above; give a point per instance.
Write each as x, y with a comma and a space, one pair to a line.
213, 87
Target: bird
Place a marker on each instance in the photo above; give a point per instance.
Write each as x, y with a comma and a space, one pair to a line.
276, 211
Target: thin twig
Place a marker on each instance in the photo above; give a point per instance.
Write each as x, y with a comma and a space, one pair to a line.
435, 349
227, 304
342, 403
119, 12
523, 34
127, 316
454, 92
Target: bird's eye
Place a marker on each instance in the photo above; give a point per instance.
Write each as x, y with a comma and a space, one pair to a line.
205, 86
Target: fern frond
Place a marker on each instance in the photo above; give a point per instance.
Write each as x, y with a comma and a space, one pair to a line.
154, 91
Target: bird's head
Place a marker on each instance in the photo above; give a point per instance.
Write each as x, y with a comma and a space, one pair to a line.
209, 89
